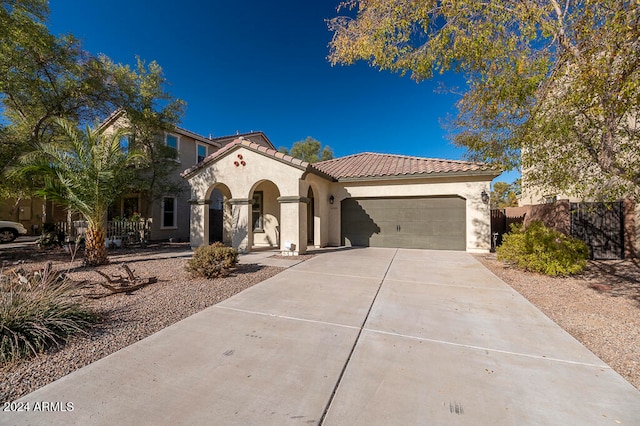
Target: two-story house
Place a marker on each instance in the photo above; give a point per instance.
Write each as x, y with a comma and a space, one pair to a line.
170, 212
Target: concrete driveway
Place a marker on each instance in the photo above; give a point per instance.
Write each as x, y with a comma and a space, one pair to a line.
363, 336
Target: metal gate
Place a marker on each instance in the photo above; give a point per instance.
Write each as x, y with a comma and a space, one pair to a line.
601, 227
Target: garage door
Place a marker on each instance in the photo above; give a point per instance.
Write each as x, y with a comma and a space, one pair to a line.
424, 222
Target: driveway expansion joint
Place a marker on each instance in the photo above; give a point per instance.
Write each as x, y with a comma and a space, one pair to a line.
486, 349
355, 343
266, 314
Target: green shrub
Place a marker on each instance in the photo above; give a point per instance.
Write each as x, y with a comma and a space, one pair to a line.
540, 249
212, 261
36, 313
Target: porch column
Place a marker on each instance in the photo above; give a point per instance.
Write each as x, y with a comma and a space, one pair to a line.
293, 225
240, 223
199, 229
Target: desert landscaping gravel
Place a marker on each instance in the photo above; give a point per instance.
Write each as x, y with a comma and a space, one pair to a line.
125, 318
600, 308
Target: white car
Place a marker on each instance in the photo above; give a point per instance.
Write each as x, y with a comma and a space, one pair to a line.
9, 231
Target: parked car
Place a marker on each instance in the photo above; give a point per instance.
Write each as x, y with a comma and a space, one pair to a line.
9, 231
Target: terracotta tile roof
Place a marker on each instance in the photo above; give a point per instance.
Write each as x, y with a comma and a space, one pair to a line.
252, 146
369, 165
357, 166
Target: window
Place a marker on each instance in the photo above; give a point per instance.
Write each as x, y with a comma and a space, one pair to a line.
124, 144
256, 212
169, 212
172, 141
201, 153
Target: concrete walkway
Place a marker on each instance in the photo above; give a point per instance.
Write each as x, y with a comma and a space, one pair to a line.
357, 337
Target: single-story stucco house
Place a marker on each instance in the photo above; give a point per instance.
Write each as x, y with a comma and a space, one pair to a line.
251, 196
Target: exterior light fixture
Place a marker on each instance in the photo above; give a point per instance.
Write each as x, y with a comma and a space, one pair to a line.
331, 199
485, 197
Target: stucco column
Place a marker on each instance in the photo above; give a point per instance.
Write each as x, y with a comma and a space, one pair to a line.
240, 224
199, 229
293, 224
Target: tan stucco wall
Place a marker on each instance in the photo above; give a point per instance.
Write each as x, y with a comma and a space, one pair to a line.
478, 224
321, 191
286, 180
241, 181
28, 212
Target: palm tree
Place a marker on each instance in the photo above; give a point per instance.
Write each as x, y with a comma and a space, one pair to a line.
84, 171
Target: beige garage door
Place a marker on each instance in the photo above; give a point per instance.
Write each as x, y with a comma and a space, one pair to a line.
405, 222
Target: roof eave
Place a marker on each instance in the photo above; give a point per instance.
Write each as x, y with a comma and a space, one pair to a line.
187, 174
196, 136
314, 171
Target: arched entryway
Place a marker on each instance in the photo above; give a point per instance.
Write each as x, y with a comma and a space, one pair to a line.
264, 215
218, 224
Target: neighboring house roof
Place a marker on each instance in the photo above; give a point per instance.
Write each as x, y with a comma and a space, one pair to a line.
217, 141
195, 136
371, 165
224, 140
359, 166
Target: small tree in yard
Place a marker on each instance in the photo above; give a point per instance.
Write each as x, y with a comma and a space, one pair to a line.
85, 172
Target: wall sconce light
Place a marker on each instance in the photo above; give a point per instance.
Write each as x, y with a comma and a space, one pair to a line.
331, 199
235, 163
485, 197
240, 156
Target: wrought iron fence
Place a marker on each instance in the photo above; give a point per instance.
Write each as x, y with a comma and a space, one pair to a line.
128, 232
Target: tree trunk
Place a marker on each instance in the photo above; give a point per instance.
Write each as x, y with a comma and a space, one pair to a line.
96, 249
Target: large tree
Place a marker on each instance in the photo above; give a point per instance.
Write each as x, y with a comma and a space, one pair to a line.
150, 111
552, 86
85, 172
505, 194
309, 150
44, 77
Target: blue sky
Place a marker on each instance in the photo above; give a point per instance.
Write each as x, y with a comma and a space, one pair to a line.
249, 65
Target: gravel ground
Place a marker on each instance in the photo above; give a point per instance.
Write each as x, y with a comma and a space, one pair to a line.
600, 308
125, 318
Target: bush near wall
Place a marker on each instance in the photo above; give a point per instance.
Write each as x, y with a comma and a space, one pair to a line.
212, 261
537, 248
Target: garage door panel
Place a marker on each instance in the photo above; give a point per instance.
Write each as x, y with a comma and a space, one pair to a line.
424, 222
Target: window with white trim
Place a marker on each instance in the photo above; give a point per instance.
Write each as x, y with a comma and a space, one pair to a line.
171, 141
169, 212
201, 152
256, 212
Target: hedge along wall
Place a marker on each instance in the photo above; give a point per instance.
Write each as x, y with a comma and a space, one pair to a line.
557, 216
